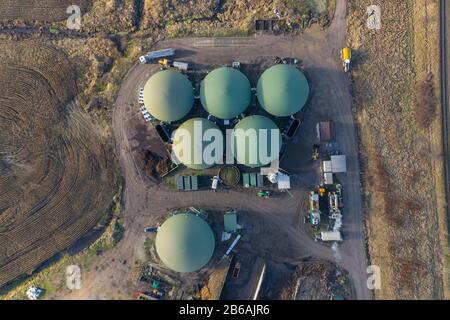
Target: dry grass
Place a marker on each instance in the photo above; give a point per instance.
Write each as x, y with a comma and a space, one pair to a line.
170, 17
402, 165
19, 12
425, 108
110, 16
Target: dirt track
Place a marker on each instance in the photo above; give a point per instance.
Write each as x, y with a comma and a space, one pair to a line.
281, 218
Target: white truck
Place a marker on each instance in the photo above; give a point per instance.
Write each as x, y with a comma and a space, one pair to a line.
156, 55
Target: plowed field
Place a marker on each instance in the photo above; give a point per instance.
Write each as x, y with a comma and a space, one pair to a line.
47, 10
56, 181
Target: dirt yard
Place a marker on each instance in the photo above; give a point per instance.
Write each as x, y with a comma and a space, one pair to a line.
395, 88
56, 180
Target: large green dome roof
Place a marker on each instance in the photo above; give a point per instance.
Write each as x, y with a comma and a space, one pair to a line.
283, 90
185, 242
247, 146
225, 93
185, 148
168, 95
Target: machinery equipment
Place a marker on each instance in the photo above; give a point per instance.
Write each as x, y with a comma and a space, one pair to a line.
264, 194
322, 192
166, 63
315, 155
346, 56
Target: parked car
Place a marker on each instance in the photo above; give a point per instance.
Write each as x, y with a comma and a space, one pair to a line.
215, 182
147, 117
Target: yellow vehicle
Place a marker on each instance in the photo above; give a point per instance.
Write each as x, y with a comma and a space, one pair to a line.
346, 56
315, 155
322, 192
165, 62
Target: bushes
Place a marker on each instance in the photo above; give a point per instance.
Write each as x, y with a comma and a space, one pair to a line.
425, 104
118, 231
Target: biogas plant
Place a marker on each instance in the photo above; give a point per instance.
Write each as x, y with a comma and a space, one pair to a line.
224, 129
224, 150
219, 121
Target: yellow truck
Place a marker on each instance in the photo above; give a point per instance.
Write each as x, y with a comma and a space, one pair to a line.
346, 56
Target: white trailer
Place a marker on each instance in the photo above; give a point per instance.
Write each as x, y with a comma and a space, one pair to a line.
328, 236
235, 242
183, 66
156, 54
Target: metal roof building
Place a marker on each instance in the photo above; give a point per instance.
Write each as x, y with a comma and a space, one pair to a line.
230, 222
168, 95
330, 236
249, 139
225, 93
189, 145
283, 90
339, 164
185, 242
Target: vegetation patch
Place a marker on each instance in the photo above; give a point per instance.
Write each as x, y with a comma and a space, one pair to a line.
394, 98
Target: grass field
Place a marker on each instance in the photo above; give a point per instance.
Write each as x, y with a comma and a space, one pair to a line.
169, 17
395, 87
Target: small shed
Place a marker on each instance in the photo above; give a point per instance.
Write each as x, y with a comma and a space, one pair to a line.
330, 236
194, 183
180, 183
187, 183
252, 180
246, 180
230, 222
327, 167
339, 164
284, 181
328, 178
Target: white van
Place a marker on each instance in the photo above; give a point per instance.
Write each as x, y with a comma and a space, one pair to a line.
215, 183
